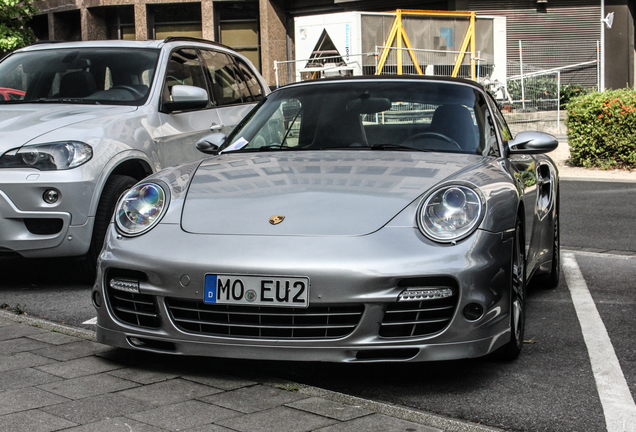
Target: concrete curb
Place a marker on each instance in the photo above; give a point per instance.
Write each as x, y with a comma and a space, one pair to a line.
49, 325
433, 420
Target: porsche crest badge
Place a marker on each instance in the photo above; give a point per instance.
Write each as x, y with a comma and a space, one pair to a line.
275, 220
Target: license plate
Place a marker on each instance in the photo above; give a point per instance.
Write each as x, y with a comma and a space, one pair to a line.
279, 291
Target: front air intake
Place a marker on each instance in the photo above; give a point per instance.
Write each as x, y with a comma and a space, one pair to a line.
429, 310
130, 307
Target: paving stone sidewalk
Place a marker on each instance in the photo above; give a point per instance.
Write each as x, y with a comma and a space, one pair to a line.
57, 378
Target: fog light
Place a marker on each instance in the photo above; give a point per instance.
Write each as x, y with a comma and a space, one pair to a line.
50, 196
97, 299
136, 342
121, 284
417, 294
473, 311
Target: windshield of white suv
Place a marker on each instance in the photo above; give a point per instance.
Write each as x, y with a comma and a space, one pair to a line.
110, 76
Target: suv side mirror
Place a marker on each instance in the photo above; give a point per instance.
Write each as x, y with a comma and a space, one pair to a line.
211, 143
532, 143
185, 97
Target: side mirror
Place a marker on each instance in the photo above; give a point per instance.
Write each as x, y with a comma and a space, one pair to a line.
185, 97
211, 143
532, 143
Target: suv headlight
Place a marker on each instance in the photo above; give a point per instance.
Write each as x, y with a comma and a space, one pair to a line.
140, 209
450, 213
48, 157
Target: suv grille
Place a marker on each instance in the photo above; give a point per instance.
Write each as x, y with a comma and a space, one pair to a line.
324, 322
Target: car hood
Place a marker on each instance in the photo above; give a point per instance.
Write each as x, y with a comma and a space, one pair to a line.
21, 123
318, 193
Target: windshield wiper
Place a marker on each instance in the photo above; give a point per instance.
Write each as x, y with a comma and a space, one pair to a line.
65, 101
51, 101
259, 149
275, 147
397, 147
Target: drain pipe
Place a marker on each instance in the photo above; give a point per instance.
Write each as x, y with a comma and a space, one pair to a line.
602, 46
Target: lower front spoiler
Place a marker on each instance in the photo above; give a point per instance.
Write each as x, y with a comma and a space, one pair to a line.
339, 354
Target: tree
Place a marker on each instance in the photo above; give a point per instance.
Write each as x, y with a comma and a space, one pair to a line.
14, 16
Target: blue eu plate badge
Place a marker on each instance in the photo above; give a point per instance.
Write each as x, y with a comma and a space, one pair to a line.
210, 289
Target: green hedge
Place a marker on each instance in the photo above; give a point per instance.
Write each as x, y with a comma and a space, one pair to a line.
602, 129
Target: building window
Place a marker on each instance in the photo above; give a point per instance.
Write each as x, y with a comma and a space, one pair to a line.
182, 19
40, 26
120, 21
67, 25
238, 28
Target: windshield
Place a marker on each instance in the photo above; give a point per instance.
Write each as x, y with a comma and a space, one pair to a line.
115, 76
365, 114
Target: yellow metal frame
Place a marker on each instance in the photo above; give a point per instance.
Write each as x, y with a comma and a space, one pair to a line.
398, 34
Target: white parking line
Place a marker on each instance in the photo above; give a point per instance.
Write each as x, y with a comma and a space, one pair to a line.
91, 321
616, 399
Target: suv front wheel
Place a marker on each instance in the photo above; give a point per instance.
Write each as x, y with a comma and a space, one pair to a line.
114, 188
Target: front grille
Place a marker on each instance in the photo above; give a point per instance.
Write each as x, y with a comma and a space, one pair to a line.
325, 322
420, 318
135, 309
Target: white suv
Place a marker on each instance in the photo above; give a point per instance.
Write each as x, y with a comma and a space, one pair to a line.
95, 118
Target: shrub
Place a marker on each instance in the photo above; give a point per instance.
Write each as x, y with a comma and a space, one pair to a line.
602, 129
570, 91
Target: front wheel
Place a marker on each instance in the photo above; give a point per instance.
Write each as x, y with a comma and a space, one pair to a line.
512, 349
114, 188
552, 280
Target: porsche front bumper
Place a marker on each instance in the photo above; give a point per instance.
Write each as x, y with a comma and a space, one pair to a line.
363, 273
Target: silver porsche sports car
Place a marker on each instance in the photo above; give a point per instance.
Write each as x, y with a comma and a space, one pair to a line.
346, 220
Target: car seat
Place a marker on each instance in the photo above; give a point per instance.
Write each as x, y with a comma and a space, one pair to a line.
77, 85
456, 122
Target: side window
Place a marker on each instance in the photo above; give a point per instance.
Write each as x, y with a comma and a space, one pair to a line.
225, 89
243, 88
16, 82
501, 123
252, 83
183, 69
108, 79
281, 129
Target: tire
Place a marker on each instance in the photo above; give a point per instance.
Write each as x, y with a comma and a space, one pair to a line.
512, 349
115, 186
552, 279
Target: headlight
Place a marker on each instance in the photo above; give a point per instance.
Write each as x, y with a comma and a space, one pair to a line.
48, 157
450, 213
140, 209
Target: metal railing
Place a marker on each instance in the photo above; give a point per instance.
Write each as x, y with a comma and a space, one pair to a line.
429, 62
533, 87
320, 67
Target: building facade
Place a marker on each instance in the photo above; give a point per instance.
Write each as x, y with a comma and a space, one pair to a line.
551, 33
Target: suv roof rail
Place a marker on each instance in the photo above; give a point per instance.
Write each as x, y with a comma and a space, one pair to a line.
43, 42
192, 39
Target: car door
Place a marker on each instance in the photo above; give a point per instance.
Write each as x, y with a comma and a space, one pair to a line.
234, 95
180, 130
